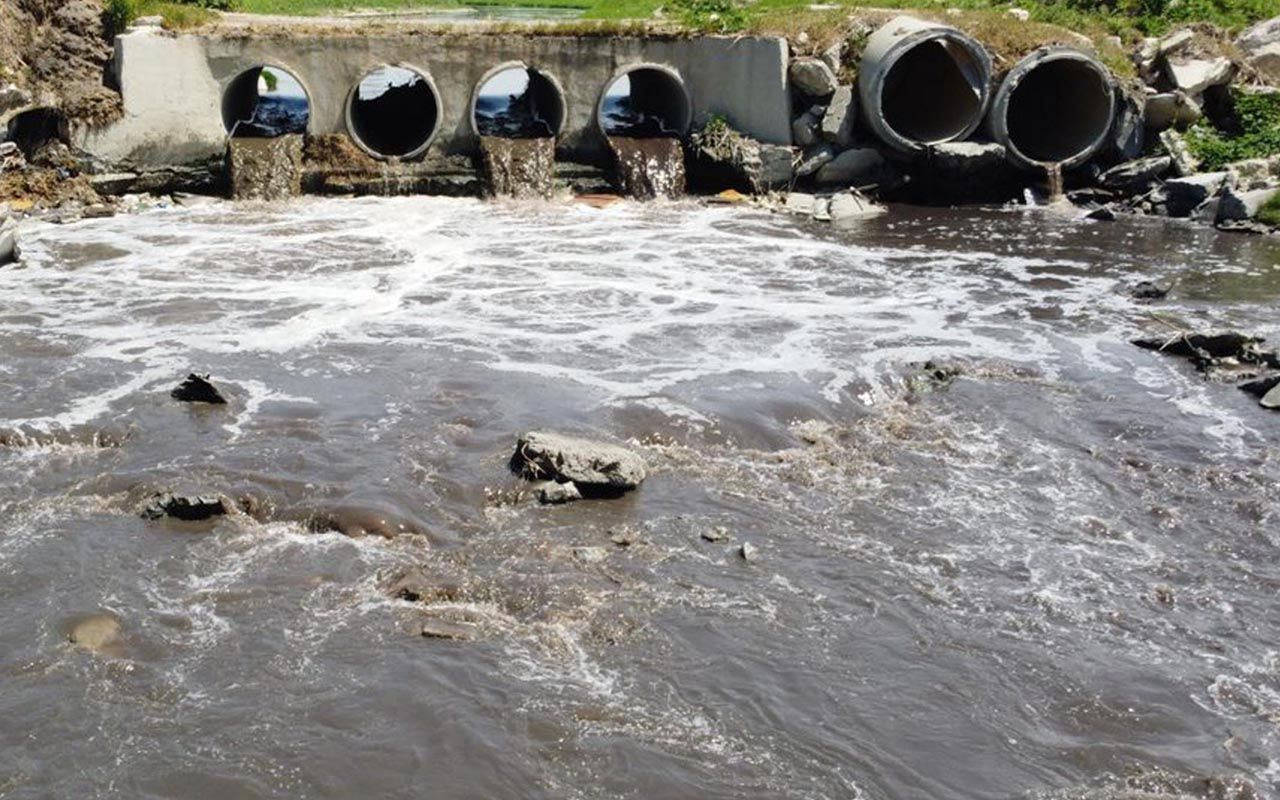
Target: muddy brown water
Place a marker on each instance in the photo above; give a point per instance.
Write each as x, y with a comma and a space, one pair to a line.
1056, 575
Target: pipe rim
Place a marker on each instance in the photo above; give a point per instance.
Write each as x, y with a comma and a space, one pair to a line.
435, 129
562, 123
671, 72
1000, 104
900, 48
239, 73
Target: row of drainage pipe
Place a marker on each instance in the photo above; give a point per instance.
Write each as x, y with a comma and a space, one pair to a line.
921, 84
395, 111
924, 84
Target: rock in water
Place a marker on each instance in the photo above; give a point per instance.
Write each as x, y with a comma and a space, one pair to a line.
595, 467
189, 509
552, 493
749, 552
1207, 349
1271, 399
1146, 290
96, 633
197, 389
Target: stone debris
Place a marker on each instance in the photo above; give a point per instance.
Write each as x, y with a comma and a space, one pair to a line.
812, 77
716, 534
749, 552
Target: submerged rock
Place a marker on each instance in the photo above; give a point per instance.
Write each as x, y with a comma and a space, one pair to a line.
186, 508
197, 389
97, 633
1266, 389
1146, 290
595, 467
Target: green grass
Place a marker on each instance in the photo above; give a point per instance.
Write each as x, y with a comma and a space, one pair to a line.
1257, 135
1269, 214
1129, 19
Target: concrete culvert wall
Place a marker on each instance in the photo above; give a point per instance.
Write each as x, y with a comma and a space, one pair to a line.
394, 112
518, 102
265, 101
646, 101
922, 83
1055, 107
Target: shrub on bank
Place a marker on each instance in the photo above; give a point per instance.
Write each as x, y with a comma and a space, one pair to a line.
117, 15
1255, 133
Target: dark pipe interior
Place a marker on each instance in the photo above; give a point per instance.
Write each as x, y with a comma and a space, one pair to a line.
1058, 110
656, 105
534, 113
246, 113
32, 130
399, 120
933, 92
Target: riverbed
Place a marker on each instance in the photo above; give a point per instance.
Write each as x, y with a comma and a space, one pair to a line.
1051, 573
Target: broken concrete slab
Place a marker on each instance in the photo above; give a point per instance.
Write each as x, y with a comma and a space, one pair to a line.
842, 113
850, 207
1193, 76
1186, 194
1169, 109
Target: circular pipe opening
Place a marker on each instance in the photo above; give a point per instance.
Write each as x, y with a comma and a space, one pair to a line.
513, 101
647, 101
265, 101
1054, 108
923, 84
394, 112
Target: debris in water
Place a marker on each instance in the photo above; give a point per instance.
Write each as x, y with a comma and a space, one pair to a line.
197, 389
1207, 350
442, 629
189, 509
749, 552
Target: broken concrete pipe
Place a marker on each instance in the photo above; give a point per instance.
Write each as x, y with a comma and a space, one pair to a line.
923, 83
393, 112
1055, 107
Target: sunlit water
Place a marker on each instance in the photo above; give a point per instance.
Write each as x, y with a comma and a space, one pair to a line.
1058, 571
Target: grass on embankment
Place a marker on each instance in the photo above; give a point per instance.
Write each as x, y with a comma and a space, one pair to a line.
1126, 18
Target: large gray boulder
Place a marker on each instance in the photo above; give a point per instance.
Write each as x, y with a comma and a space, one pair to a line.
1137, 175
815, 159
812, 77
807, 128
1195, 75
1259, 35
1167, 109
1266, 61
593, 466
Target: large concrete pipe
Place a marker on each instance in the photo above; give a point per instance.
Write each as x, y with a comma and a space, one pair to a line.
536, 107
645, 100
1055, 106
923, 83
394, 112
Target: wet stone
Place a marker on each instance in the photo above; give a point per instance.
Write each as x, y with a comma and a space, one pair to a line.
749, 552
187, 508
1146, 290
593, 466
716, 534
97, 633
553, 493
197, 389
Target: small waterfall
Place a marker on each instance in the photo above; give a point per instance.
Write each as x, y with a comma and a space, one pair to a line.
265, 169
649, 167
521, 168
1053, 176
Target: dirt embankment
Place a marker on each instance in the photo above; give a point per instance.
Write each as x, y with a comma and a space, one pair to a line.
56, 51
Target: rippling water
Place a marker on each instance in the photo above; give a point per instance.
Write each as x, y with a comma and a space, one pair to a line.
1053, 576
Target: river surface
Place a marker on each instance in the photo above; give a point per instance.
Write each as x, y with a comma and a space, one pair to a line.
1055, 576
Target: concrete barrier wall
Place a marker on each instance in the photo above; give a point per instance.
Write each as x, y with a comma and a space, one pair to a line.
173, 85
